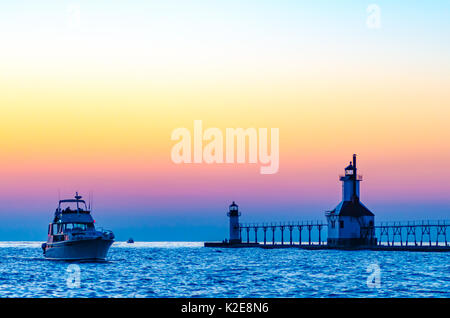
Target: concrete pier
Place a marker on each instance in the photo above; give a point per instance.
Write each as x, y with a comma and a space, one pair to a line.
325, 247
230, 245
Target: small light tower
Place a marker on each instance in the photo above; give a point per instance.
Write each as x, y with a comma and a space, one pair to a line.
350, 223
350, 182
235, 233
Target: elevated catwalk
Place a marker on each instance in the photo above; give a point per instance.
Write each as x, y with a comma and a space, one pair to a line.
417, 236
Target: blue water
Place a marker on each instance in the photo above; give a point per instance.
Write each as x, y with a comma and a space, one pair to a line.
190, 270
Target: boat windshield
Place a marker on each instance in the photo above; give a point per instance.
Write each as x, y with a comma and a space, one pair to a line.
77, 226
72, 206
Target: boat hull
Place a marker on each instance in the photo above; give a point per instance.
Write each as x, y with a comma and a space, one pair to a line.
91, 249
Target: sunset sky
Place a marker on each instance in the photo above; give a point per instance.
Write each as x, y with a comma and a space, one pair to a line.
90, 93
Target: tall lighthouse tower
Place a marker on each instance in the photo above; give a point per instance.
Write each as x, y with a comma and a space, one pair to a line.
350, 223
233, 214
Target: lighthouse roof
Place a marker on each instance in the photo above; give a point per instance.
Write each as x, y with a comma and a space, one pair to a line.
349, 167
233, 204
350, 208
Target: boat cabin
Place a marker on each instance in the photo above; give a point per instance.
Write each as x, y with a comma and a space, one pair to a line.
72, 217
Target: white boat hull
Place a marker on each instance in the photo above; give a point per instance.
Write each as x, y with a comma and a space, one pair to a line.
89, 249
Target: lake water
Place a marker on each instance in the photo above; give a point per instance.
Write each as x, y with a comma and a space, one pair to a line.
170, 269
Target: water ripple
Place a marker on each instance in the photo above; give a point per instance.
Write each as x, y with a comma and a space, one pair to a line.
163, 269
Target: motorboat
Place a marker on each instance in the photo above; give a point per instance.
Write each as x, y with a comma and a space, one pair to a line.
73, 236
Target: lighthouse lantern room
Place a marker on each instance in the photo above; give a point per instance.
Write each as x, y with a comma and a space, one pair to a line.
350, 223
235, 233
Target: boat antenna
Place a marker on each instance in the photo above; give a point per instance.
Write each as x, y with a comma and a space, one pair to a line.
59, 199
77, 199
89, 201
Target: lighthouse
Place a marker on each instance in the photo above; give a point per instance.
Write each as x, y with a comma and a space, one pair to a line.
350, 224
235, 233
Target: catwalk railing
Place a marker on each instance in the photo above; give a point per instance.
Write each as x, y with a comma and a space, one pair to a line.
306, 226
420, 232
417, 233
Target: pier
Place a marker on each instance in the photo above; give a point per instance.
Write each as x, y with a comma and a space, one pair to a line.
303, 229
349, 226
420, 236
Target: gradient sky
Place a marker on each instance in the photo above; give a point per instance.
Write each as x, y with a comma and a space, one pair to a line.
91, 91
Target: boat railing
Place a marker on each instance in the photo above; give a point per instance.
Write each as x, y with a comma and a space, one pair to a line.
105, 232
